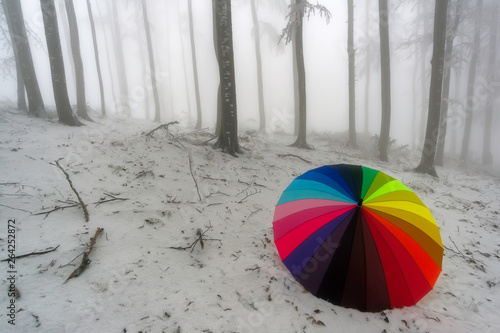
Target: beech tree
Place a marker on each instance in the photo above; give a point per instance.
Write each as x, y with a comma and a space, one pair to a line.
81, 101
195, 66
352, 82
57, 65
228, 131
385, 74
22, 51
431, 134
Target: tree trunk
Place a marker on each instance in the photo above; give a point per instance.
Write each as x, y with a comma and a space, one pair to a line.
260, 83
96, 56
218, 124
22, 50
184, 67
151, 62
124, 103
432, 131
471, 80
368, 70
296, 106
415, 102
446, 85
385, 74
352, 83
228, 136
57, 64
77, 60
21, 94
423, 72
488, 121
195, 67
301, 141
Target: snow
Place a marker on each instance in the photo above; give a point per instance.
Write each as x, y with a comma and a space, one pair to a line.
137, 283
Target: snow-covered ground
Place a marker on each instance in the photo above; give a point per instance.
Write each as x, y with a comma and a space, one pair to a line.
137, 283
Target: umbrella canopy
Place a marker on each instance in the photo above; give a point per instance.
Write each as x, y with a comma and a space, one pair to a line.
358, 238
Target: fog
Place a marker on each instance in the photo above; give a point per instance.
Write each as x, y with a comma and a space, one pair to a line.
326, 61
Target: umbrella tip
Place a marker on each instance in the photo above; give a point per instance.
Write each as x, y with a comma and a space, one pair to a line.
360, 202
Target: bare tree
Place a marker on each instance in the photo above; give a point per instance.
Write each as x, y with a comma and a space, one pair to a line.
57, 65
228, 132
260, 83
151, 62
293, 31
81, 104
448, 52
22, 51
471, 81
431, 134
195, 66
124, 103
96, 56
493, 91
352, 83
385, 74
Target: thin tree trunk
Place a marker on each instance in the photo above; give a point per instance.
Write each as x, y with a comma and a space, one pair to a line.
432, 131
184, 67
423, 74
415, 102
57, 64
21, 94
96, 56
260, 82
296, 106
368, 70
446, 85
469, 107
385, 73
195, 67
77, 60
228, 136
488, 121
124, 102
301, 141
352, 83
151, 62
21, 47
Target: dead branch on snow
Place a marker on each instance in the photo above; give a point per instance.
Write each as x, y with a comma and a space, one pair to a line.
85, 260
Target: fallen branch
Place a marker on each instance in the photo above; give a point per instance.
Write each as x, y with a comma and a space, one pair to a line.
200, 239
33, 253
85, 260
14, 208
249, 194
76, 204
84, 207
293, 155
164, 126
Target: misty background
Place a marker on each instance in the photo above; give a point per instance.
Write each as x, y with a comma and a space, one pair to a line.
326, 62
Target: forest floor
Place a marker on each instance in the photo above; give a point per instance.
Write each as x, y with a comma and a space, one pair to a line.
137, 282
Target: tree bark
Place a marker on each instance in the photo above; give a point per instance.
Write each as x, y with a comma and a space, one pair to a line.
57, 64
81, 101
368, 70
199, 119
97, 62
471, 80
260, 81
22, 49
151, 62
352, 83
301, 141
446, 85
488, 121
432, 131
228, 136
385, 73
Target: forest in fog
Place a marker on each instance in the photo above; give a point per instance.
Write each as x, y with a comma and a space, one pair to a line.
418, 74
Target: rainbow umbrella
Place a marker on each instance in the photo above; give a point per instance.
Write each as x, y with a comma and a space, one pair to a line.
358, 238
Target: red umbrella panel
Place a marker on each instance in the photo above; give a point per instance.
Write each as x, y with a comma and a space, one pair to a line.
358, 238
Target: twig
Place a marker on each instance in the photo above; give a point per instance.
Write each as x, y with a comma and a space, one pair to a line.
200, 239
20, 209
192, 175
144, 173
34, 253
249, 194
246, 188
293, 155
97, 203
85, 260
165, 126
84, 207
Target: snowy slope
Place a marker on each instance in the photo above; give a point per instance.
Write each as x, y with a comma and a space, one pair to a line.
137, 283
